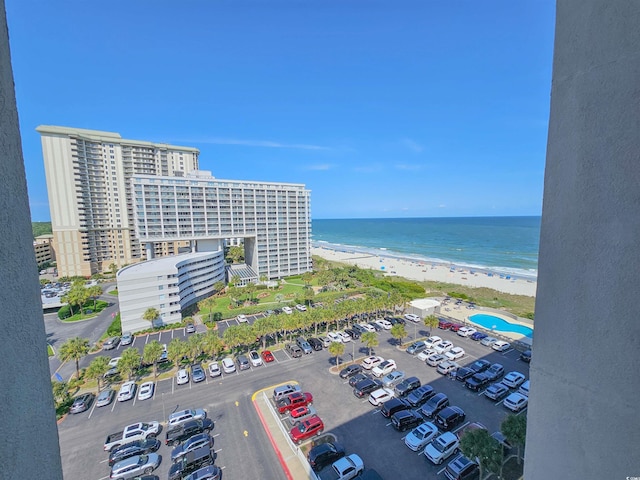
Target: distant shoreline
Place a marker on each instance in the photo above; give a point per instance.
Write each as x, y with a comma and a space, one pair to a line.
422, 270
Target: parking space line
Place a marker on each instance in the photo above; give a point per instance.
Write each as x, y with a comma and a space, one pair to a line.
461, 427
521, 411
481, 393
388, 424
496, 404
93, 407
441, 470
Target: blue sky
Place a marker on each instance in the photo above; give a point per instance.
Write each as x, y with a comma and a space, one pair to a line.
382, 108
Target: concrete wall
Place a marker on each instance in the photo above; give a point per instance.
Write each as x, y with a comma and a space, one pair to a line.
27, 402
583, 410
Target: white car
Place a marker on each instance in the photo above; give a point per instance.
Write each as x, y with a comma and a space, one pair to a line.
385, 324
372, 361
114, 362
466, 331
344, 337
435, 359
432, 341
214, 369
513, 379
334, 337
367, 327
446, 367
516, 402
228, 365
455, 353
254, 358
501, 346
524, 389
242, 319
146, 391
423, 355
488, 341
127, 391
420, 436
182, 376
378, 397
287, 310
412, 318
443, 346
385, 367
301, 308
442, 448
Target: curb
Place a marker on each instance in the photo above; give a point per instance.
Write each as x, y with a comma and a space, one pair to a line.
283, 464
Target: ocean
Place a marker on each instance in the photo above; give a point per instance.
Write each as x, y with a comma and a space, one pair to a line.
500, 244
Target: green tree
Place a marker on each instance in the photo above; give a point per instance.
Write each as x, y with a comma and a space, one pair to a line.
151, 354
195, 345
129, 362
114, 269
337, 349
237, 335
279, 298
212, 344
370, 340
263, 327
250, 289
76, 296
307, 277
514, 427
60, 392
74, 349
96, 370
176, 351
151, 315
218, 286
236, 254
479, 445
398, 331
208, 304
431, 321
94, 292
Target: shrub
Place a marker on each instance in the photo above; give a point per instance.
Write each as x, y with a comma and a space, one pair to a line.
115, 328
64, 312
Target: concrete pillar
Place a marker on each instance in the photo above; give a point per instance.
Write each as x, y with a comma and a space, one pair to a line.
30, 445
583, 410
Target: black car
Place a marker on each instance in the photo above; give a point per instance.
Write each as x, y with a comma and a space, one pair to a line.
324, 454
394, 405
358, 377
82, 403
139, 447
315, 344
480, 366
450, 417
182, 432
353, 333
366, 386
407, 386
477, 382
406, 420
376, 327
463, 373
359, 328
461, 468
420, 395
434, 405
526, 356
191, 462
350, 371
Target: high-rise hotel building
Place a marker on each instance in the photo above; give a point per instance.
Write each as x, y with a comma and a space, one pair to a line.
88, 176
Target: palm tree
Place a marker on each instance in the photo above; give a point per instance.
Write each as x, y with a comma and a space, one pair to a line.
212, 344
480, 445
208, 304
370, 340
60, 392
129, 362
264, 326
218, 286
195, 345
74, 349
279, 298
398, 331
114, 269
151, 354
97, 368
151, 315
431, 321
94, 292
337, 349
514, 427
176, 350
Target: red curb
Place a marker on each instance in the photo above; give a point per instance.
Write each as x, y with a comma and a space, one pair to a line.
283, 464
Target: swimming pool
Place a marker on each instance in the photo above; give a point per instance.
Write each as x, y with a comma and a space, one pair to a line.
491, 322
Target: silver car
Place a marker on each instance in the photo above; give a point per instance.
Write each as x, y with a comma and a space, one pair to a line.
135, 466
105, 397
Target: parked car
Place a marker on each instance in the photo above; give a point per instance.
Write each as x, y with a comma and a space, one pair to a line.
371, 362
255, 359
131, 449
461, 468
392, 378
287, 310
192, 443
385, 324
267, 356
358, 377
442, 447
146, 390
455, 327
306, 429
283, 391
416, 347
324, 454
294, 400
385, 367
301, 308
516, 402
463, 373
344, 337
228, 365
214, 369
480, 366
526, 356
350, 371
435, 359
477, 336
477, 382
444, 325
494, 372
191, 462
353, 333
304, 345
210, 472
334, 337
242, 318
367, 327
466, 331
423, 355
420, 436
315, 344
179, 433
450, 417
326, 341
443, 346
182, 376
432, 341
407, 386
294, 350
190, 328
497, 391
379, 396
243, 362
406, 420
197, 373
455, 353
420, 395
126, 338
182, 416
105, 397
436, 403
501, 346
82, 403
394, 405
111, 343
513, 379
366, 386
127, 391
135, 466
447, 367
524, 388
488, 341
412, 318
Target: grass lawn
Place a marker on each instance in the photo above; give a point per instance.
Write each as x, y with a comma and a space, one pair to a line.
50, 350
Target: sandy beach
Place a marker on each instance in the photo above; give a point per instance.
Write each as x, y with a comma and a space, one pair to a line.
423, 271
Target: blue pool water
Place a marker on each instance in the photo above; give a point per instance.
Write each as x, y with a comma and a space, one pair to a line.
491, 322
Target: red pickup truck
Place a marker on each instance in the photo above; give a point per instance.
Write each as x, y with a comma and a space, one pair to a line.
294, 400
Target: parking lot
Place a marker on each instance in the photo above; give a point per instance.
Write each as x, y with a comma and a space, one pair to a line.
242, 447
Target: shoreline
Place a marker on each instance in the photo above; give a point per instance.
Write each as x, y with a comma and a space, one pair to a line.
449, 272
